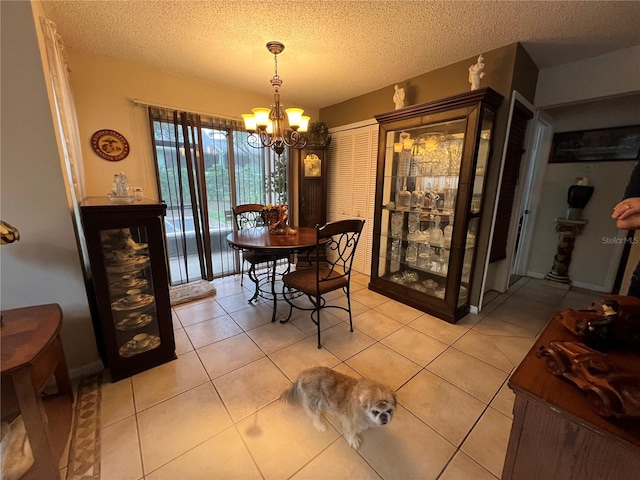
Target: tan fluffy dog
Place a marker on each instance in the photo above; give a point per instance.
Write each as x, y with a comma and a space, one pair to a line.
359, 403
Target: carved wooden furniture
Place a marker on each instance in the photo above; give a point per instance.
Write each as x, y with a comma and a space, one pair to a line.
556, 434
432, 160
130, 281
31, 353
312, 185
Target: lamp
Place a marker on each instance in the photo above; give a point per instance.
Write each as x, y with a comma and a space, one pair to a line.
267, 126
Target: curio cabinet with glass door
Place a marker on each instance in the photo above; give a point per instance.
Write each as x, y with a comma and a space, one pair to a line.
432, 160
130, 282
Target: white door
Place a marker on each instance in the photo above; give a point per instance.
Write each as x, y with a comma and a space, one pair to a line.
539, 149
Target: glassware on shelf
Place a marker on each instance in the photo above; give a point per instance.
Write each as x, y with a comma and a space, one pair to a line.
411, 255
454, 145
397, 218
449, 198
417, 198
435, 233
443, 261
395, 250
424, 255
403, 197
414, 222
404, 154
448, 233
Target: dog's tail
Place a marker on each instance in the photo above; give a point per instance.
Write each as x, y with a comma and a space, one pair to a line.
291, 395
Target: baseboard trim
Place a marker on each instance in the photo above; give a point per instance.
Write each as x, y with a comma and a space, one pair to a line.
88, 369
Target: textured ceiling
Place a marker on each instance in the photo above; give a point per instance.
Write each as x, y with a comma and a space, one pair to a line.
336, 50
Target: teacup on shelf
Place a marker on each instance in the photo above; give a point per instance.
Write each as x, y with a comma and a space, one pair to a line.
140, 340
134, 295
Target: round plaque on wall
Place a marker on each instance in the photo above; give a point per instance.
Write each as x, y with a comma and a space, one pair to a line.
110, 145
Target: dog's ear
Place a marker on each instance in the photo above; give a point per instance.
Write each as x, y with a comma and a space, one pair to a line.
364, 399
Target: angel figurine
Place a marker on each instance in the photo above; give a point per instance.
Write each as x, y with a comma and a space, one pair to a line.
398, 97
476, 72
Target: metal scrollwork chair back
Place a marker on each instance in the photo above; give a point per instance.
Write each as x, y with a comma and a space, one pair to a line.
336, 244
249, 215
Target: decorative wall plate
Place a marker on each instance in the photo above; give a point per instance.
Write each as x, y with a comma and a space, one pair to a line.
110, 145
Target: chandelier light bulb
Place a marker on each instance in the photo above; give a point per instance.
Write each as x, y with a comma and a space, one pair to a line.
249, 122
304, 124
294, 115
262, 117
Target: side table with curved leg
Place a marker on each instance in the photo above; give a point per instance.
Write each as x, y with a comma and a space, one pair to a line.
31, 353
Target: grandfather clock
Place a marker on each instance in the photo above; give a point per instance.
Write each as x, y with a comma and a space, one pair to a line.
312, 185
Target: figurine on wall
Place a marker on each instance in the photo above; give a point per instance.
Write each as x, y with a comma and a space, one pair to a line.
398, 97
476, 72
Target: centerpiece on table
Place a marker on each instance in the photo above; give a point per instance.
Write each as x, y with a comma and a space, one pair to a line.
275, 217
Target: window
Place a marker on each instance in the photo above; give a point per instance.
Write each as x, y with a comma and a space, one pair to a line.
204, 166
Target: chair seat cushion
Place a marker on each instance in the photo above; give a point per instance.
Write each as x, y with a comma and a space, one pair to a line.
305, 280
258, 257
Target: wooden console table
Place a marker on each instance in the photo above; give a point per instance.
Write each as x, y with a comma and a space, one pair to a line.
556, 435
31, 353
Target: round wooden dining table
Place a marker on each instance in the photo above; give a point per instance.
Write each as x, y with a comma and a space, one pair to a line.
260, 240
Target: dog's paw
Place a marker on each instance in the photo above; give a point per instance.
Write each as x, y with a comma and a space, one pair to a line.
319, 424
354, 441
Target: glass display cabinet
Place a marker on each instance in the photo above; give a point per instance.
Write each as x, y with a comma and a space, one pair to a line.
130, 282
430, 184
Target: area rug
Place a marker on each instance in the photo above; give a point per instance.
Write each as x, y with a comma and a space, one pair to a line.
191, 291
84, 449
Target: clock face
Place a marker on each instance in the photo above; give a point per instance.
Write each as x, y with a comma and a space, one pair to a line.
312, 166
110, 145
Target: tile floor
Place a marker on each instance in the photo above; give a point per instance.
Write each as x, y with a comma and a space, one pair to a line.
213, 413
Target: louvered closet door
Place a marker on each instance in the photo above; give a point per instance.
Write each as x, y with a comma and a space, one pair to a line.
342, 175
351, 186
371, 203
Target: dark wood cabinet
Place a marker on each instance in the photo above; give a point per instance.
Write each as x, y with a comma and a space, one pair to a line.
312, 186
432, 160
130, 283
556, 434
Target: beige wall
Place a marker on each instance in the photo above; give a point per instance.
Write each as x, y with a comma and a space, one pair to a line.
443, 82
44, 266
103, 89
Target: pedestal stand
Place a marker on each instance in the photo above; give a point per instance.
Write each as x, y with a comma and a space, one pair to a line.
568, 231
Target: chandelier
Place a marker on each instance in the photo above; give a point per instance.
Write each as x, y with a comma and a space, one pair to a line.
267, 126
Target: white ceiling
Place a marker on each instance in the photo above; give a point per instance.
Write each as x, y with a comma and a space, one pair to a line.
336, 50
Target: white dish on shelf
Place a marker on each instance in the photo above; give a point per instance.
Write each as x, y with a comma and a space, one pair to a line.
133, 321
133, 302
140, 343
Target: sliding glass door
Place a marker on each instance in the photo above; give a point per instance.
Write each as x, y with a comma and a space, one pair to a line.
204, 167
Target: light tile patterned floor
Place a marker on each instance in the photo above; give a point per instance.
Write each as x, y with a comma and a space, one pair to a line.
213, 413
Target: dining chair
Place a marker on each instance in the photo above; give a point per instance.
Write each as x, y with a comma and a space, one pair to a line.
249, 215
336, 244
